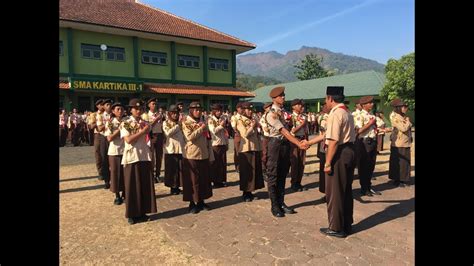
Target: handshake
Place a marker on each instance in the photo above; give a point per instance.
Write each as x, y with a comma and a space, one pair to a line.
304, 144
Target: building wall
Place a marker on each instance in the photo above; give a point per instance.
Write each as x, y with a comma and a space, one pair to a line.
63, 59
102, 67
185, 73
154, 71
219, 76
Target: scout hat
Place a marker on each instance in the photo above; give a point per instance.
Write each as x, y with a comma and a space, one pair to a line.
397, 102
173, 108
366, 99
151, 100
135, 103
116, 104
195, 105
216, 106
108, 101
297, 101
247, 105
267, 105
277, 91
100, 101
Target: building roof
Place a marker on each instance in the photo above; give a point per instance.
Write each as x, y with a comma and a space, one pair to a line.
133, 15
194, 89
64, 84
355, 84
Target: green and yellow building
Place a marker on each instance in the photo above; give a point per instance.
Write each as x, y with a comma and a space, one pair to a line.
122, 49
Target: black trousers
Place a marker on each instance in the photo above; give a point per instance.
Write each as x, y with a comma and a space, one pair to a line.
278, 166
339, 198
367, 158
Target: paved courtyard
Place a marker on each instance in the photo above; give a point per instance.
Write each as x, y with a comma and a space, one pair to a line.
94, 231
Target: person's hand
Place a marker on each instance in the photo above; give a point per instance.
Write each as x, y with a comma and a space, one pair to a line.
146, 128
327, 168
222, 123
203, 125
303, 145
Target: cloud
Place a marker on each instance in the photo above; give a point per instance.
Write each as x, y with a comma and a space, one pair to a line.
314, 23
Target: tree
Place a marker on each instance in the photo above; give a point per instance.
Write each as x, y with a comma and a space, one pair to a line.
311, 68
400, 83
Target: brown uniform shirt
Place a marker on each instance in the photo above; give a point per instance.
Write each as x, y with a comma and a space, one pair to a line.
196, 147
401, 133
340, 125
249, 136
275, 121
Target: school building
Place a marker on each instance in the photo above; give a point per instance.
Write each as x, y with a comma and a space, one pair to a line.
123, 49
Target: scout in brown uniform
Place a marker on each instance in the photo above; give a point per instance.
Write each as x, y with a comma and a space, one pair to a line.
155, 119
367, 145
233, 122
75, 122
115, 152
63, 130
339, 166
139, 187
265, 136
216, 124
379, 118
100, 142
250, 164
298, 156
401, 139
278, 153
196, 181
173, 148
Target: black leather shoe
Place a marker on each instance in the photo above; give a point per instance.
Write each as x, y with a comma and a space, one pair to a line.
107, 186
131, 221
366, 193
203, 206
118, 201
330, 232
287, 209
218, 185
100, 177
193, 208
303, 188
374, 192
144, 218
278, 213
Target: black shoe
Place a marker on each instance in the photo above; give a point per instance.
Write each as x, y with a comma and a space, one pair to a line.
100, 177
278, 213
107, 186
374, 178
156, 180
203, 206
366, 193
330, 232
132, 221
118, 201
144, 218
193, 208
252, 196
396, 183
287, 209
402, 185
303, 188
375, 192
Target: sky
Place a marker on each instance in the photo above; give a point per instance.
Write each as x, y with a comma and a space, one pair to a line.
373, 29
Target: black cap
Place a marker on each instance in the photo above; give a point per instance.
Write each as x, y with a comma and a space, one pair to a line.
335, 90
100, 101
178, 103
239, 105
297, 101
135, 103
108, 101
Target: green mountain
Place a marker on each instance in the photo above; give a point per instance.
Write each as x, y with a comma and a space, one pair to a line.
278, 66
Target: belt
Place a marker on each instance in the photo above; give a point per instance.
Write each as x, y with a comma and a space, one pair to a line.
347, 144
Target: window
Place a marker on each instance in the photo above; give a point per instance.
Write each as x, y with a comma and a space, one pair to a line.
91, 51
61, 48
218, 64
115, 54
188, 61
154, 58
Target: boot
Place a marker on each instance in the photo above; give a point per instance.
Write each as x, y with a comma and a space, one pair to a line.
276, 211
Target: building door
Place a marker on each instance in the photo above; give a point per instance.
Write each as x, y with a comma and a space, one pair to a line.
84, 104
